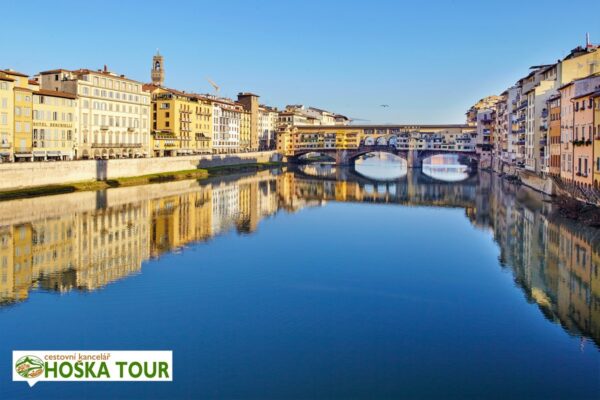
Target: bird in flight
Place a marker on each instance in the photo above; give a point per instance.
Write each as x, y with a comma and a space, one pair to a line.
384, 105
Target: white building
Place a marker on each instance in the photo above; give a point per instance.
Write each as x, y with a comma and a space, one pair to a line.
226, 126
537, 88
267, 127
113, 114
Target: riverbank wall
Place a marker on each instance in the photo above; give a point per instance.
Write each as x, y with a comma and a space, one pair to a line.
34, 174
548, 185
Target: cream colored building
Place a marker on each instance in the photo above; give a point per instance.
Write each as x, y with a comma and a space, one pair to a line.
227, 117
113, 115
53, 125
7, 105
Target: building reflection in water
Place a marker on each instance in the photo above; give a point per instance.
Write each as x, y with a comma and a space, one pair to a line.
84, 241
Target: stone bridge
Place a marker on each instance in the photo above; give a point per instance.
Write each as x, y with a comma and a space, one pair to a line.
413, 157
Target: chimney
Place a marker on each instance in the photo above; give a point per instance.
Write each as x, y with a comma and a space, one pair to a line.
105, 68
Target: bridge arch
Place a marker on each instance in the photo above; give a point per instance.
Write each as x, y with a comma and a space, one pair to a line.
381, 141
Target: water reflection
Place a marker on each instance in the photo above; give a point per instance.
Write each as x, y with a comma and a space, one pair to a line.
84, 241
445, 168
323, 170
381, 166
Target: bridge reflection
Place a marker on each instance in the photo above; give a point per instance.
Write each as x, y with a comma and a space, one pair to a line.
84, 241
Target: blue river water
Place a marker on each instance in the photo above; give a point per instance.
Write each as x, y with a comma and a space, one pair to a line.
309, 282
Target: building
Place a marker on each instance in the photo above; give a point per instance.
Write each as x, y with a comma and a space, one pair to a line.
553, 121
512, 141
596, 130
501, 129
226, 115
249, 103
113, 115
16, 121
537, 88
583, 125
54, 125
7, 124
181, 122
267, 127
566, 131
485, 126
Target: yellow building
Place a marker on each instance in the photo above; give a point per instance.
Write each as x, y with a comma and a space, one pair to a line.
6, 265
7, 125
245, 130
53, 125
181, 122
22, 99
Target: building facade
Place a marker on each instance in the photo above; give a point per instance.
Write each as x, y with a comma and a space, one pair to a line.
181, 123
54, 125
113, 115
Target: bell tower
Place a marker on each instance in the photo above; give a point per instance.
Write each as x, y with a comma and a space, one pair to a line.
158, 70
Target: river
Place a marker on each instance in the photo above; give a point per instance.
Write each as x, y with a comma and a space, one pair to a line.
309, 282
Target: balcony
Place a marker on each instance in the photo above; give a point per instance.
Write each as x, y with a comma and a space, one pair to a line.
116, 145
130, 129
5, 145
543, 142
544, 113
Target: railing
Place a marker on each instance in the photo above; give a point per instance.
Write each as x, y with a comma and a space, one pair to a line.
5, 145
165, 137
116, 145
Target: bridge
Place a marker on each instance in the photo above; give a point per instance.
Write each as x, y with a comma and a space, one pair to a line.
345, 144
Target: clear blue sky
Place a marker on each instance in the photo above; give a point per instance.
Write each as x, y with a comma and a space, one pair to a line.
429, 60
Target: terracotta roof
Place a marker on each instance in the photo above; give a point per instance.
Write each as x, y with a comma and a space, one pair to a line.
55, 93
15, 73
566, 85
54, 71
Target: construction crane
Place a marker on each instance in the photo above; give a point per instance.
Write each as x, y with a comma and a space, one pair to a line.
214, 85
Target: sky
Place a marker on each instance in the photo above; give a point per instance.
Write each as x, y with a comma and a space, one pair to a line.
428, 60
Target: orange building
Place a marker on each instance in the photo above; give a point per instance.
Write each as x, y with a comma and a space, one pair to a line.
566, 131
553, 108
583, 149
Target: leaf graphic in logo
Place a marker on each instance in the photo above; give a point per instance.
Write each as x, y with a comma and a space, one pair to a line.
29, 366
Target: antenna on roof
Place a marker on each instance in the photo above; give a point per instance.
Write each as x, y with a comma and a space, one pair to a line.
587, 40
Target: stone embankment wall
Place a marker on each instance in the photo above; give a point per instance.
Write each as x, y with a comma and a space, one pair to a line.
536, 182
32, 174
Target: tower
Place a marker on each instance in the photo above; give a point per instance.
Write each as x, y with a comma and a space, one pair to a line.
249, 102
158, 70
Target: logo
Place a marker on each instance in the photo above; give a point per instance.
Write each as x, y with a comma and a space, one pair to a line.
33, 366
29, 366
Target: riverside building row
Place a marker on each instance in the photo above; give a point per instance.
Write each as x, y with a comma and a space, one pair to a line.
97, 114
547, 123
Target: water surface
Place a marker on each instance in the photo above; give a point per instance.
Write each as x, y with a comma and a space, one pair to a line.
285, 284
